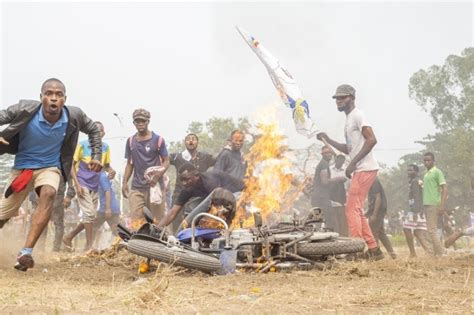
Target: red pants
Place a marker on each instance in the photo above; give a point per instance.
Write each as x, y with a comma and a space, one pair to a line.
356, 221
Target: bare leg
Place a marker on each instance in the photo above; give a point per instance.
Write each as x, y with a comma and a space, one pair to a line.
58, 219
410, 241
97, 237
96, 226
89, 236
41, 243
67, 240
386, 241
113, 221
41, 215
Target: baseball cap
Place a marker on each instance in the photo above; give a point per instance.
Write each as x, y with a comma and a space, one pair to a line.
141, 113
344, 90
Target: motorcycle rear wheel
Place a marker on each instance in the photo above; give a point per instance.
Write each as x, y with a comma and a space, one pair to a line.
173, 255
338, 246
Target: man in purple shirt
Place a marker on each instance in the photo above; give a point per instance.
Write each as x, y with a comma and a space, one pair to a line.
87, 187
144, 151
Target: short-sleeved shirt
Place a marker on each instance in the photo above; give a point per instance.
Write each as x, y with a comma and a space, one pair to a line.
82, 156
40, 142
142, 155
355, 121
432, 181
320, 194
231, 162
209, 181
104, 186
374, 190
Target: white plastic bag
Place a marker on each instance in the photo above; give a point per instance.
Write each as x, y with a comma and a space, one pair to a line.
156, 193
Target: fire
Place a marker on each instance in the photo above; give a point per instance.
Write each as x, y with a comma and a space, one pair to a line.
209, 223
268, 177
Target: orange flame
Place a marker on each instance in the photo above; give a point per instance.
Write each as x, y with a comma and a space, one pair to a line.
268, 178
209, 223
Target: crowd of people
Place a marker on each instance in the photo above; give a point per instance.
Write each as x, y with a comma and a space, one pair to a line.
426, 198
49, 162
54, 169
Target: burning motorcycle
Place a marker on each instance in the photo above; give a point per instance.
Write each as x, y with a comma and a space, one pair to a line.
301, 243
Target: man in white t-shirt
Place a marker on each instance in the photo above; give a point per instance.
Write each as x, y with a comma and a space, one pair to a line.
363, 167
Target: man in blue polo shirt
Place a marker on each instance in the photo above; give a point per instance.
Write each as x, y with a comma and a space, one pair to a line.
42, 135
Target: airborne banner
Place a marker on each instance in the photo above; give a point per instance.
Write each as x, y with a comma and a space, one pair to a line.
285, 85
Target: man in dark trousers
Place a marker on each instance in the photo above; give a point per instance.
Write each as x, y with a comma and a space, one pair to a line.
376, 215
321, 183
43, 136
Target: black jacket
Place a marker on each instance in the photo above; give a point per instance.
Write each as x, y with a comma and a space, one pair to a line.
19, 115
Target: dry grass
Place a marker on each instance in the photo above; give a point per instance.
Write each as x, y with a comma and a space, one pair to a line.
109, 282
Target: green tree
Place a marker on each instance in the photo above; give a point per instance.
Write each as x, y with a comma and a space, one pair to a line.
214, 133
446, 93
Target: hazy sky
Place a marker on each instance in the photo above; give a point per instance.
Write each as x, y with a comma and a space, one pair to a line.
186, 62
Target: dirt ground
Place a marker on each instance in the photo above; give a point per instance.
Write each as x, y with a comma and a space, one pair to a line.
110, 283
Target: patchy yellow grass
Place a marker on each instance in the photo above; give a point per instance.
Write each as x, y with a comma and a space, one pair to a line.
109, 282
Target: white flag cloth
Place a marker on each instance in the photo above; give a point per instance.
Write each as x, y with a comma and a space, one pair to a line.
286, 86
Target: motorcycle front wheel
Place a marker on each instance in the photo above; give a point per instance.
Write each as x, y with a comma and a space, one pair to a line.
178, 256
